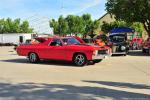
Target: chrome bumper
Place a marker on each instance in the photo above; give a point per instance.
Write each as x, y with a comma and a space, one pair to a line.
119, 53
100, 56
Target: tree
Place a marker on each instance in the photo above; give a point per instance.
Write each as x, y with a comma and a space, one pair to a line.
7, 26
74, 25
87, 21
16, 26
10, 26
131, 11
63, 26
94, 25
1, 25
106, 27
25, 27
54, 24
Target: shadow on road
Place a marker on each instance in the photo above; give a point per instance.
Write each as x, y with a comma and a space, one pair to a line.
137, 53
32, 91
42, 62
132, 53
45, 62
122, 85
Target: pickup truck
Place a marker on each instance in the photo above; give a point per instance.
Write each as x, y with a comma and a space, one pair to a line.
72, 49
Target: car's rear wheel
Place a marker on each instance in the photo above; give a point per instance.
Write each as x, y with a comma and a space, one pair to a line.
79, 59
33, 58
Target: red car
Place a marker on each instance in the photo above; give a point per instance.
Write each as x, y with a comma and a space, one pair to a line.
136, 44
146, 46
71, 49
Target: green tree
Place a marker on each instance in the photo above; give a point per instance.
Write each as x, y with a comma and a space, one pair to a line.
131, 11
95, 25
87, 21
74, 25
1, 25
16, 26
107, 27
7, 26
25, 27
63, 26
54, 24
10, 26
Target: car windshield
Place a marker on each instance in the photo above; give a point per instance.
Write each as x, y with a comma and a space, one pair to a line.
70, 41
117, 38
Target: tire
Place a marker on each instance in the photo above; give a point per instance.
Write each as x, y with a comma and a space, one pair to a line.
149, 51
125, 55
143, 50
33, 58
79, 59
97, 61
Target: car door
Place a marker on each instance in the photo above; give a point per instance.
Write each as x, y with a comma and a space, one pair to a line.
56, 50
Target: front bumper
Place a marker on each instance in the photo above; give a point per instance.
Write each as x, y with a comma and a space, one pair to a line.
95, 57
119, 53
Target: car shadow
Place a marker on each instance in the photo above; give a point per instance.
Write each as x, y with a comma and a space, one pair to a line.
132, 53
34, 91
137, 53
120, 84
42, 62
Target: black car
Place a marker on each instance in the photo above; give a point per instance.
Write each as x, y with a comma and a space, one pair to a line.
118, 43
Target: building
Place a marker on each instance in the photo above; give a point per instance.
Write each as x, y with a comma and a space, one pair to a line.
107, 18
16, 38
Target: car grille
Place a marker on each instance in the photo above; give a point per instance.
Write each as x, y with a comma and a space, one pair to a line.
102, 51
117, 49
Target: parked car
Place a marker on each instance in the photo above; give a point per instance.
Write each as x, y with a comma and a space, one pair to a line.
136, 44
146, 46
118, 43
71, 49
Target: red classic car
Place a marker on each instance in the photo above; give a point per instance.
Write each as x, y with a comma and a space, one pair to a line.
63, 48
136, 44
146, 46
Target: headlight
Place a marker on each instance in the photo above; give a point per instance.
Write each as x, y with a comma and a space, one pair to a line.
123, 48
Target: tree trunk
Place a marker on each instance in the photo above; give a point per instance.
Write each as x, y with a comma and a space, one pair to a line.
147, 27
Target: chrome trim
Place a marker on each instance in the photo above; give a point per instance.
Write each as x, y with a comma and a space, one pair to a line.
100, 56
119, 53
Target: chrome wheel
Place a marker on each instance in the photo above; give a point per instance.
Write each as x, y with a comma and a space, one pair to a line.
33, 58
80, 60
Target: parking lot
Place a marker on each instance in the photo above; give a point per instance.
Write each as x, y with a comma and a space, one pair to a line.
117, 77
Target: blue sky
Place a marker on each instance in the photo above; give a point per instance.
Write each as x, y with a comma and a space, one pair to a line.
50, 8
39, 12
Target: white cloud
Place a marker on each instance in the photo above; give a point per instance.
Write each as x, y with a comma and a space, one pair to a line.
82, 6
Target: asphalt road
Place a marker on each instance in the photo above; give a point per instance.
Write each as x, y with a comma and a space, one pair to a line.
117, 77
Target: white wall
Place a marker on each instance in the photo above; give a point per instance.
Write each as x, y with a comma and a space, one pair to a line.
14, 38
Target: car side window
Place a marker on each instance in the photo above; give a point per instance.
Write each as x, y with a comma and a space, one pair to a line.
56, 42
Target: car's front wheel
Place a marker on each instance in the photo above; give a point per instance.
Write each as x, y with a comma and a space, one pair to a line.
79, 59
33, 58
